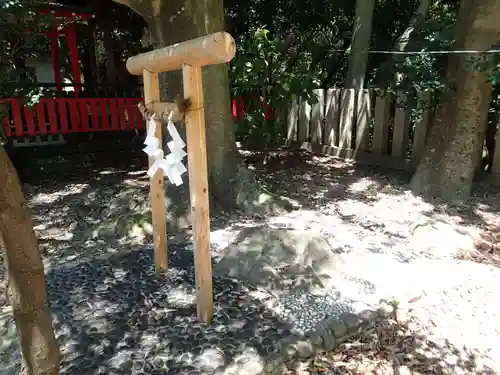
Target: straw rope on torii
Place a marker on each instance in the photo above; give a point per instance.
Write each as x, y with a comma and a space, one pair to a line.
175, 111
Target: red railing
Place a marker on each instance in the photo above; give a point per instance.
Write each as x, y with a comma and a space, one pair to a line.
240, 107
79, 115
72, 115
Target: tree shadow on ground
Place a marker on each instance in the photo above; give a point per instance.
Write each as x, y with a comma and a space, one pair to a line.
318, 184
110, 201
115, 316
104, 205
356, 192
315, 180
92, 339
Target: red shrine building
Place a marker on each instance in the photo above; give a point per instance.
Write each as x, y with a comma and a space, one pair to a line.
71, 108
74, 107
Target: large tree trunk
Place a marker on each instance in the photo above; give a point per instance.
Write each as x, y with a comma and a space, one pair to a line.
457, 133
361, 36
194, 18
356, 74
173, 21
26, 289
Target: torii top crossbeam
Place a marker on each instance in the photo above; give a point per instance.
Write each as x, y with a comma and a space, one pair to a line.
211, 49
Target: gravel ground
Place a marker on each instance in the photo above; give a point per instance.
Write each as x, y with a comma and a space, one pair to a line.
425, 254
115, 316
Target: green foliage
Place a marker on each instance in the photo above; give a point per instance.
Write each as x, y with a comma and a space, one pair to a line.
21, 37
126, 31
423, 71
21, 28
495, 76
303, 48
266, 68
418, 73
286, 48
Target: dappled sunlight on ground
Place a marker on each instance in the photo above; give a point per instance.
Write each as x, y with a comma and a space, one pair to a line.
355, 206
379, 204
364, 212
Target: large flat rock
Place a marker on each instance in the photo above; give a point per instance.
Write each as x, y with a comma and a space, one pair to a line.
279, 260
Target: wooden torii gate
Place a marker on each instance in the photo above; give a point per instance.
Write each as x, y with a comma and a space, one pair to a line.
190, 56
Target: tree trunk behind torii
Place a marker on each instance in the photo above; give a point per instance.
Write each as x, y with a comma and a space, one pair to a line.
456, 137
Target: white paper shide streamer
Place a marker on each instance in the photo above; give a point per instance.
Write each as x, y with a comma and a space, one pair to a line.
172, 163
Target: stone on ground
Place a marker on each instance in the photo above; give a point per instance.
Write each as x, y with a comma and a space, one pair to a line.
279, 259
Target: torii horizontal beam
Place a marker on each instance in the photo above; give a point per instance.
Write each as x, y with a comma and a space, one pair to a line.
211, 49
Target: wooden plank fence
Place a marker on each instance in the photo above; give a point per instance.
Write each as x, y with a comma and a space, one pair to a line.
365, 125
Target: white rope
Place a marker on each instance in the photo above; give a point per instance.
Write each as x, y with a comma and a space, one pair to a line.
443, 52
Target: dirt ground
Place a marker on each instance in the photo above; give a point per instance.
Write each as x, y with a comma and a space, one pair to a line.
401, 345
81, 210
